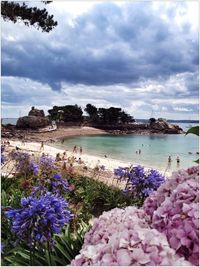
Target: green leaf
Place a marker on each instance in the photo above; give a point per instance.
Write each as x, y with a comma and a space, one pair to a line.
23, 255
65, 254
193, 130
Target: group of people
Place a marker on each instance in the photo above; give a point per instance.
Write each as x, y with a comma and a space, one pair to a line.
70, 160
138, 152
75, 149
177, 160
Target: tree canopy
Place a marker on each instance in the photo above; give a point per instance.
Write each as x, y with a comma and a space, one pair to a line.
68, 113
111, 116
31, 16
97, 116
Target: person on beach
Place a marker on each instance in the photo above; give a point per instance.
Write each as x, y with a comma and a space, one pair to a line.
58, 158
70, 168
80, 161
64, 157
177, 160
169, 159
81, 150
75, 149
139, 151
64, 166
42, 146
62, 141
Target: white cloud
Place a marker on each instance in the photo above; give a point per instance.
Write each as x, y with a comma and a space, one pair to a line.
182, 109
19, 94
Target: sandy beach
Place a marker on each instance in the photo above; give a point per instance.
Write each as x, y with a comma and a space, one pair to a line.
89, 160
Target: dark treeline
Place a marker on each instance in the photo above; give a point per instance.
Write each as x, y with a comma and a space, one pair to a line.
97, 116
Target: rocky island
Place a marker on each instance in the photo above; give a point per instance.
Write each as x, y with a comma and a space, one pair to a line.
69, 120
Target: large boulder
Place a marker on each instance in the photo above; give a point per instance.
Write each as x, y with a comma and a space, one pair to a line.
164, 126
36, 112
32, 122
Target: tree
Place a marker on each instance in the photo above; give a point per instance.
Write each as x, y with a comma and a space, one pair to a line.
31, 16
68, 113
92, 112
126, 118
114, 116
152, 120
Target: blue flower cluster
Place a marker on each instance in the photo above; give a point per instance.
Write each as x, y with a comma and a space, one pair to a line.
54, 183
39, 218
34, 168
122, 173
22, 162
47, 164
58, 184
140, 183
20, 156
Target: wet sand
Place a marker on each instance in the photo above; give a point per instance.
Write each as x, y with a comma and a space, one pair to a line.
62, 132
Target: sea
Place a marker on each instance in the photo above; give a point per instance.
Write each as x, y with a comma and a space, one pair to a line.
155, 149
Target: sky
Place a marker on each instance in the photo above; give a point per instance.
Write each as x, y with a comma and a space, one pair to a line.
141, 56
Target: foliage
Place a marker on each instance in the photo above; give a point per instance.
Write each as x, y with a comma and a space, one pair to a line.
100, 116
152, 120
174, 212
92, 112
68, 113
123, 237
140, 183
66, 246
113, 116
193, 130
30, 16
90, 198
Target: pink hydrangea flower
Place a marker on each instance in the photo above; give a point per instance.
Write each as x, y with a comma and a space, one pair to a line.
123, 237
174, 211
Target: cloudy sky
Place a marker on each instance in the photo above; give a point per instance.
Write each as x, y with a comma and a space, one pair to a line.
141, 56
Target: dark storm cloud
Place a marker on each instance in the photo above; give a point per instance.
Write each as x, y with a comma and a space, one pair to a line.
108, 45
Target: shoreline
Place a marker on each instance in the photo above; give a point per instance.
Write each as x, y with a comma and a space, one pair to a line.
59, 133
90, 161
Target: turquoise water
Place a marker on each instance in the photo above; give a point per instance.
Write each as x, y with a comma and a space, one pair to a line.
154, 149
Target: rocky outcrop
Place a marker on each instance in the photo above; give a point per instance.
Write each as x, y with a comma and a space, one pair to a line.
36, 112
35, 120
32, 122
161, 125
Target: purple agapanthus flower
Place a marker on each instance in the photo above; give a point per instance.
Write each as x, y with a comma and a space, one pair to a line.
34, 168
140, 182
39, 218
47, 163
